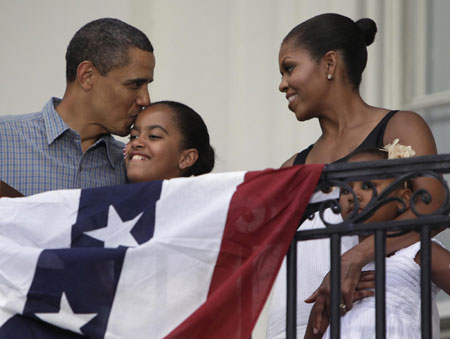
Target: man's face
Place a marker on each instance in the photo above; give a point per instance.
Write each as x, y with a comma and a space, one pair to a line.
121, 94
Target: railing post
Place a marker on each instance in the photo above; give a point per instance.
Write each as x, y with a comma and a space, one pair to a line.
335, 260
291, 295
380, 283
425, 280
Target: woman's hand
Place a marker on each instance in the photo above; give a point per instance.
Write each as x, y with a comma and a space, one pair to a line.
355, 285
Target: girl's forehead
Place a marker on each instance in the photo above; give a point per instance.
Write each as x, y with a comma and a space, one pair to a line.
158, 113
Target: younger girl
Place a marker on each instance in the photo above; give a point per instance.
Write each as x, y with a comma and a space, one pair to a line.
402, 268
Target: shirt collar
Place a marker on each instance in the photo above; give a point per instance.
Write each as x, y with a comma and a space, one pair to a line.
54, 124
110, 143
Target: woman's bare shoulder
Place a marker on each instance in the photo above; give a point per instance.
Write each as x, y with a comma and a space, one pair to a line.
409, 118
289, 162
412, 130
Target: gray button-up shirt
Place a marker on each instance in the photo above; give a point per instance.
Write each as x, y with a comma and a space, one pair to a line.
39, 152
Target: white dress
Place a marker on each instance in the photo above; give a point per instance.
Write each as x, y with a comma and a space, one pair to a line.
402, 302
313, 262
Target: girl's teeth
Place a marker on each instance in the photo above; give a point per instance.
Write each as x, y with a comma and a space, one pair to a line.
138, 157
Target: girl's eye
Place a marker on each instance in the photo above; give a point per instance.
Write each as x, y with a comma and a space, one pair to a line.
367, 185
344, 191
153, 136
132, 137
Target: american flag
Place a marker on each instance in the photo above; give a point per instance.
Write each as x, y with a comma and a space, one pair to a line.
180, 258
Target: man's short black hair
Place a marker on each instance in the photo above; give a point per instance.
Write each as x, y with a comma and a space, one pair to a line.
106, 43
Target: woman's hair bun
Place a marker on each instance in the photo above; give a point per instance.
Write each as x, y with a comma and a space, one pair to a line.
368, 28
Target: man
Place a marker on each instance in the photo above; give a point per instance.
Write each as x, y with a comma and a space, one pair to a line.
109, 65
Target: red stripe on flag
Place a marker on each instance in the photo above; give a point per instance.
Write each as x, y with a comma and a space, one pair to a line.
262, 218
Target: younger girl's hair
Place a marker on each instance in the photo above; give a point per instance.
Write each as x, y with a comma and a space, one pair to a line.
194, 134
376, 152
380, 154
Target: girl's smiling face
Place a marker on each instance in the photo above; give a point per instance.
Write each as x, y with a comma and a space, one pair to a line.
154, 151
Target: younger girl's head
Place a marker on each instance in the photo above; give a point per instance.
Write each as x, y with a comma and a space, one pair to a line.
364, 191
168, 140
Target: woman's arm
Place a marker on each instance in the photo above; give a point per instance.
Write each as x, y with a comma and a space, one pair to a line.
412, 130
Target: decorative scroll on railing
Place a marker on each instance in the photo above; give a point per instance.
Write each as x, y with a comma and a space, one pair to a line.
337, 176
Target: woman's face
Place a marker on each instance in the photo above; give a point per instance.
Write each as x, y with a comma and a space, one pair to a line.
154, 150
303, 80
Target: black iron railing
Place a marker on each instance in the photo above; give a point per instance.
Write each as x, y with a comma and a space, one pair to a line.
338, 175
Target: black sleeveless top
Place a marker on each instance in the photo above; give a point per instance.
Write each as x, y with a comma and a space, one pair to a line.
374, 139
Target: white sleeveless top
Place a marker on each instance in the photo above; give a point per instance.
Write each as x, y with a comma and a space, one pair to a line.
402, 302
313, 262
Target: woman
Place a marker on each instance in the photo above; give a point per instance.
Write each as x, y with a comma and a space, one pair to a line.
321, 63
168, 140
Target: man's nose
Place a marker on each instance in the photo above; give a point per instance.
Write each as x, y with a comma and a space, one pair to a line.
144, 97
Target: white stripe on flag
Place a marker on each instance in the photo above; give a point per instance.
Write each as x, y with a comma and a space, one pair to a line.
190, 219
42, 220
17, 267
22, 235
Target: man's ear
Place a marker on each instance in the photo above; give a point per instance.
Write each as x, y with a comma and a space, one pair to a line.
188, 158
85, 74
331, 60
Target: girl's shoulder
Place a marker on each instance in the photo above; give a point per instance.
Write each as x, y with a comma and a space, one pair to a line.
414, 249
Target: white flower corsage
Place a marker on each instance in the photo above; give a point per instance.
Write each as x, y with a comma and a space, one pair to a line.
398, 151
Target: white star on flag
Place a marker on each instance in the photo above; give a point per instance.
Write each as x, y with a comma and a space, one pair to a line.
117, 232
66, 318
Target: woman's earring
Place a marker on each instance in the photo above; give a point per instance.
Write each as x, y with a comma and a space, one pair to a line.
329, 77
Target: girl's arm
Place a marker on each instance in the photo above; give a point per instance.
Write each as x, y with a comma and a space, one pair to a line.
312, 330
440, 266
